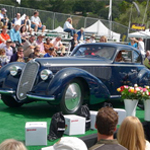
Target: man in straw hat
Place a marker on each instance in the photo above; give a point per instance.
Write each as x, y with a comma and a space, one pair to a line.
92, 39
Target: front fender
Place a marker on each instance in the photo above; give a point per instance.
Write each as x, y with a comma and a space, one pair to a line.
98, 91
6, 80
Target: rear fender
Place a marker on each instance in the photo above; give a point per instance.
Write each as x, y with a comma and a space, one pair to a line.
143, 77
98, 91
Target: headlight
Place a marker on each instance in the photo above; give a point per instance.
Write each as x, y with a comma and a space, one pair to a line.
45, 74
14, 70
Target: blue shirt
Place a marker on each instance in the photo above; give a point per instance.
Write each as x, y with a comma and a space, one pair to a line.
134, 45
15, 35
48, 55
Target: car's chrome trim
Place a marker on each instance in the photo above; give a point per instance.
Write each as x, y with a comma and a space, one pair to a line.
73, 65
7, 92
42, 98
115, 96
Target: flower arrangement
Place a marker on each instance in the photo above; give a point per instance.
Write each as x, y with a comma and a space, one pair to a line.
136, 92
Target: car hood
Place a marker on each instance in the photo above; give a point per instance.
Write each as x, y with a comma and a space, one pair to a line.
71, 61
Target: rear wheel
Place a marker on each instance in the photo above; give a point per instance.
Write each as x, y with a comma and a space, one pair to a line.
10, 101
72, 97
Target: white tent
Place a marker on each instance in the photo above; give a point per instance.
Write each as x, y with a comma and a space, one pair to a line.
144, 34
58, 29
100, 29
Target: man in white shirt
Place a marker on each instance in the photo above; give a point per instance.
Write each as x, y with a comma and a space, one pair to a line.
141, 47
36, 23
57, 44
17, 20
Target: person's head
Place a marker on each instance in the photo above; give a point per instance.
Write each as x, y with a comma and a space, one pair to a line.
51, 51
3, 11
17, 27
75, 36
23, 29
106, 121
20, 50
32, 38
26, 17
37, 49
82, 30
48, 40
69, 20
2, 51
11, 144
103, 39
40, 38
93, 36
8, 42
58, 38
18, 15
69, 143
36, 13
4, 29
148, 53
131, 134
140, 39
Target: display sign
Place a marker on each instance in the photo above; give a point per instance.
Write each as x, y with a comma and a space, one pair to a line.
138, 26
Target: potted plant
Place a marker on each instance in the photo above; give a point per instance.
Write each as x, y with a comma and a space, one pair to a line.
146, 100
131, 96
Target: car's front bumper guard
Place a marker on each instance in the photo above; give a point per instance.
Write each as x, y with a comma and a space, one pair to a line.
7, 91
41, 98
30, 96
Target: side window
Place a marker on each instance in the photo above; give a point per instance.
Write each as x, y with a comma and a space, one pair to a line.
124, 56
136, 57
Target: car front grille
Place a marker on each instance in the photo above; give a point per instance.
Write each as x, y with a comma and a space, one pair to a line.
27, 79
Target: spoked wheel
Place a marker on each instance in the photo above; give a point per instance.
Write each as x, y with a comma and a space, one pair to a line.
72, 97
10, 101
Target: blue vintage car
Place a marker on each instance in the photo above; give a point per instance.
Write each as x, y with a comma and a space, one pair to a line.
90, 75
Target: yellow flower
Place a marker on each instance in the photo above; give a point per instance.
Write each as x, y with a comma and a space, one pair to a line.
118, 89
132, 90
147, 87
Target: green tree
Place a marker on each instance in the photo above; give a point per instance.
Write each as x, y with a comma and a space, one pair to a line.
124, 18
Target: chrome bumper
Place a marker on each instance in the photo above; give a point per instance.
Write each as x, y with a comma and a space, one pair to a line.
42, 98
7, 92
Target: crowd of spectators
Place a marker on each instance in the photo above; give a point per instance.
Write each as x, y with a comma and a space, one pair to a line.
21, 43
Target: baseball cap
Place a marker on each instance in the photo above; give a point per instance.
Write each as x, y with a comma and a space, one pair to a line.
68, 143
3, 9
9, 41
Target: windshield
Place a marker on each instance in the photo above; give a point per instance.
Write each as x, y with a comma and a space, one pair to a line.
95, 51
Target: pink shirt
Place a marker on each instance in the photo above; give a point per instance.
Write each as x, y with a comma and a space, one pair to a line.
41, 44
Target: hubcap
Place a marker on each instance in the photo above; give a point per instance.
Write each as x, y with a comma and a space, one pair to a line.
73, 96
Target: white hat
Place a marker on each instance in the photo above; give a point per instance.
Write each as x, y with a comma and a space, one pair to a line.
68, 143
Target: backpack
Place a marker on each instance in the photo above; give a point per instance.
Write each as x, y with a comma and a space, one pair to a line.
57, 126
85, 112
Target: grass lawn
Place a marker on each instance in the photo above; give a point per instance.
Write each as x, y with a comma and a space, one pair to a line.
12, 120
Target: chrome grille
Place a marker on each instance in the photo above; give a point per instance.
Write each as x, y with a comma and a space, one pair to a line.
27, 79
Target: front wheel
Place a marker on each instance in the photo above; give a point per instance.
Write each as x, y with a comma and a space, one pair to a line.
10, 101
72, 98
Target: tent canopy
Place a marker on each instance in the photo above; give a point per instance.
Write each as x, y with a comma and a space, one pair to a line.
144, 34
100, 29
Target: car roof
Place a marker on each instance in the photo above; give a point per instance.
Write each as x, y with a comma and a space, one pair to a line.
116, 45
